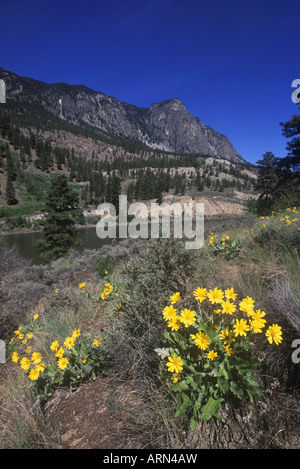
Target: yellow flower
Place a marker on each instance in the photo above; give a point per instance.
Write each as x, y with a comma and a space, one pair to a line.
230, 295
212, 355
76, 333
201, 340
175, 377
18, 331
29, 335
274, 333
228, 307
174, 323
215, 296
257, 322
81, 285
69, 343
36, 358
240, 327
60, 352
28, 349
35, 317
97, 342
174, 364
15, 357
40, 367
200, 294
228, 350
56, 290
54, 346
174, 298
247, 305
62, 363
25, 364
227, 336
169, 313
187, 317
20, 336
34, 374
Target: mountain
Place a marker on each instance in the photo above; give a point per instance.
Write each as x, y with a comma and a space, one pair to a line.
166, 125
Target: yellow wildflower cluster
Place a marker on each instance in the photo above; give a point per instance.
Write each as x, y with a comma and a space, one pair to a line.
107, 290
33, 362
82, 287
230, 318
288, 217
213, 238
29, 361
69, 343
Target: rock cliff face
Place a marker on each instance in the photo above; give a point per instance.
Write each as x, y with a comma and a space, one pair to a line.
166, 125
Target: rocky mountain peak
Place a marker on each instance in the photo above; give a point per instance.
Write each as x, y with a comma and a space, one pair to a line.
166, 125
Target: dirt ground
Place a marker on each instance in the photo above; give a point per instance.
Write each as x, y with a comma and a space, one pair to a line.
85, 418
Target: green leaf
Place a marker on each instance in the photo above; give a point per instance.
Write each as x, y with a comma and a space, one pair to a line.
193, 424
237, 391
211, 408
181, 409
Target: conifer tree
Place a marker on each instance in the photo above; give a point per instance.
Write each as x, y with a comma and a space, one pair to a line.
59, 231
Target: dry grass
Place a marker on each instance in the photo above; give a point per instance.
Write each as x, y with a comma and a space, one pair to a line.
22, 423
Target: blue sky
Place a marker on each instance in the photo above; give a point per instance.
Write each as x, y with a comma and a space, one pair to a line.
231, 62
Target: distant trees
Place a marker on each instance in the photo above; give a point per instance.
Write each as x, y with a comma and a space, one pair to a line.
59, 231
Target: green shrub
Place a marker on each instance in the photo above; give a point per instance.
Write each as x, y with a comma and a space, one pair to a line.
104, 265
147, 282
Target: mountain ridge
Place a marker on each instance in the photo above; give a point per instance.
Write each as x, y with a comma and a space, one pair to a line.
166, 125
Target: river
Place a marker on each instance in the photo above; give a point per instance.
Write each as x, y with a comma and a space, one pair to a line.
25, 242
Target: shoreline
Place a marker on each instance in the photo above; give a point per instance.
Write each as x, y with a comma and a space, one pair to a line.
212, 218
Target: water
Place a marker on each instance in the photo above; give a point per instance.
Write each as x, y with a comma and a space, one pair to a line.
25, 242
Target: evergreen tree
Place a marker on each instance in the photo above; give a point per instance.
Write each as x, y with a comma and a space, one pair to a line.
10, 193
266, 183
288, 187
59, 232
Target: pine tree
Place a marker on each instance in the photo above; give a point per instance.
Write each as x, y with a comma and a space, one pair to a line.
10, 193
266, 183
59, 231
288, 187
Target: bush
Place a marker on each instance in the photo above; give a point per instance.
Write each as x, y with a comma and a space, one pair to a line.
279, 231
146, 283
104, 266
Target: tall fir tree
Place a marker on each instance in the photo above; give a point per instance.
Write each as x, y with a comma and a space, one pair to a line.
59, 231
266, 183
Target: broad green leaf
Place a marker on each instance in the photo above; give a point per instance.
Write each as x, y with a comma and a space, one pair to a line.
183, 406
211, 408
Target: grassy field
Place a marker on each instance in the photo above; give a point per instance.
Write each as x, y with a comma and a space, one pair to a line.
106, 313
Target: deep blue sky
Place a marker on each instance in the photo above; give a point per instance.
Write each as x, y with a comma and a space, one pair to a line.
232, 62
